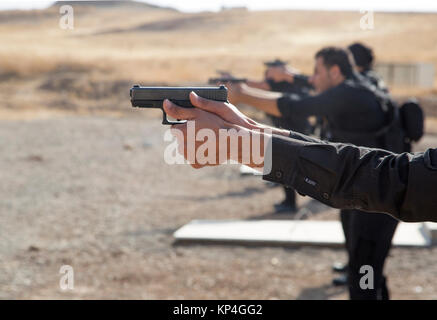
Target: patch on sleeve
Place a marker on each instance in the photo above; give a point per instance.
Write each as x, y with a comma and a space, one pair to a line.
310, 182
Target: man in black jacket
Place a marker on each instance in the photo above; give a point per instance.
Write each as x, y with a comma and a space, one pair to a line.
340, 175
363, 57
354, 113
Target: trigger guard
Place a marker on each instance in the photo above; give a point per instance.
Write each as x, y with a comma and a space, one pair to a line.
165, 120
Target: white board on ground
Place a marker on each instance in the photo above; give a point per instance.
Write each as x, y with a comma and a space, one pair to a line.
280, 232
431, 229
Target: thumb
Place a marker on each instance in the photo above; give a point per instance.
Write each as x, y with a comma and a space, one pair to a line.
177, 112
206, 104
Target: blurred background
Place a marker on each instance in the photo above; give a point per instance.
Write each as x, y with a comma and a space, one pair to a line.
83, 180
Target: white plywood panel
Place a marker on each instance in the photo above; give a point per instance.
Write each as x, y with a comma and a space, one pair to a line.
431, 229
320, 233
411, 234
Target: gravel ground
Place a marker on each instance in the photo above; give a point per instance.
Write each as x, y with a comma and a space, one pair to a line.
95, 193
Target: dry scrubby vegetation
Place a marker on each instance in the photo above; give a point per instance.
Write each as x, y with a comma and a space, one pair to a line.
92, 67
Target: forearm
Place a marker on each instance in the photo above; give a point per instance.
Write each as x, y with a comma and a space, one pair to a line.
288, 76
263, 134
263, 85
248, 146
345, 176
262, 100
302, 81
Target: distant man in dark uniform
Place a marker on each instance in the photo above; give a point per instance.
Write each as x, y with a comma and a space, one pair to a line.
364, 58
354, 112
297, 85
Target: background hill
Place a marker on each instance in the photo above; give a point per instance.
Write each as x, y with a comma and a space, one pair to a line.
143, 36
101, 4
114, 43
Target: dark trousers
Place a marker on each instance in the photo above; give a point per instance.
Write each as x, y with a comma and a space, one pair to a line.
290, 196
368, 241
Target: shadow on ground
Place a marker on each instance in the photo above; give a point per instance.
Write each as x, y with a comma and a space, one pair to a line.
324, 292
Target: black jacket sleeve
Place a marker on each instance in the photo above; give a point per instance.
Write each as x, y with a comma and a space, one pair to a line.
300, 84
345, 176
302, 81
323, 104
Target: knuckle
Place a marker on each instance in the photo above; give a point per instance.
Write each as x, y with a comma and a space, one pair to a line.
202, 101
177, 111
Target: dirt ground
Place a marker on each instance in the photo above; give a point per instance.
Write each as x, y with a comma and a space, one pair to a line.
95, 193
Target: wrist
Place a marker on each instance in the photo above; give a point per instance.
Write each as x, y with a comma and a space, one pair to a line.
270, 130
247, 146
280, 132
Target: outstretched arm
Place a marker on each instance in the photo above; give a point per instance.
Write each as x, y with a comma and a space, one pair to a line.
260, 99
260, 84
289, 105
340, 175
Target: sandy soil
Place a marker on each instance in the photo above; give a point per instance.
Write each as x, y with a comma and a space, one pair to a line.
95, 193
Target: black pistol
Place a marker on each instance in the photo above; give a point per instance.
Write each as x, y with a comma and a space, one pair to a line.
153, 97
275, 63
224, 80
